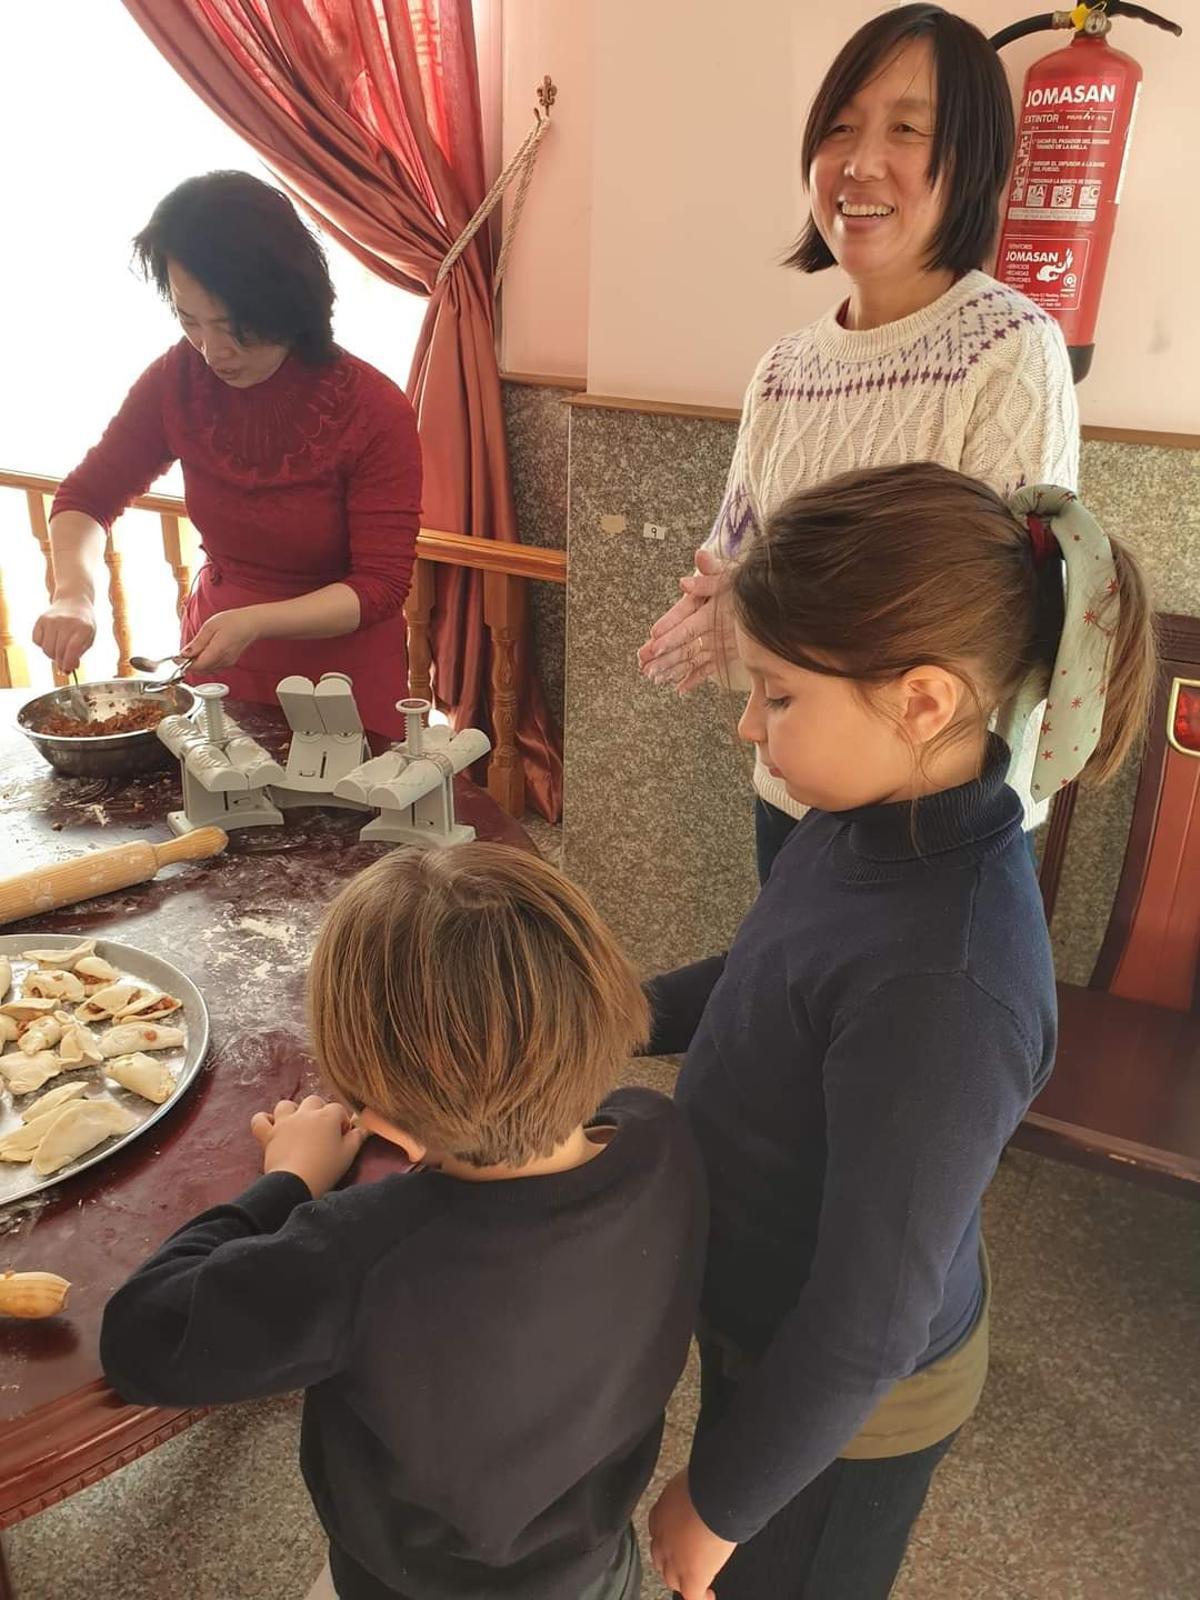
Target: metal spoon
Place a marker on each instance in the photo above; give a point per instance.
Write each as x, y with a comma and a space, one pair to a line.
145, 664
74, 700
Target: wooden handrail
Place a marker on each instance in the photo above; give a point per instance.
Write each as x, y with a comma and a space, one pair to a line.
534, 562
42, 484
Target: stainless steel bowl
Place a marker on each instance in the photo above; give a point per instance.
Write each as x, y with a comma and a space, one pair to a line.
104, 755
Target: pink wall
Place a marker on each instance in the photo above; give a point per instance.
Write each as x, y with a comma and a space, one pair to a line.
646, 259
544, 303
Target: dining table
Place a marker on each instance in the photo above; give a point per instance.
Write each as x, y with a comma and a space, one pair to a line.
241, 926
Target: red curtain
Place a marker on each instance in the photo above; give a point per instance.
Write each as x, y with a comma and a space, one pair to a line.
368, 111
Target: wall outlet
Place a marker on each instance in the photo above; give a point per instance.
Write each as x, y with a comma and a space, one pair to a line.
654, 530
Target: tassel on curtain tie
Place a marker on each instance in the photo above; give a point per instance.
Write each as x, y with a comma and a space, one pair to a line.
522, 163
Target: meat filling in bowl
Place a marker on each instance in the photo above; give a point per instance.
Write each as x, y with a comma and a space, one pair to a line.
136, 720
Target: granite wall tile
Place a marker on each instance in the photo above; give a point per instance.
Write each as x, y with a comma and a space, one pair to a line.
658, 806
1133, 484
537, 422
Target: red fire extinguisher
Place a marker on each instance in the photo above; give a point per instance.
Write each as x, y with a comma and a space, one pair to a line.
1073, 129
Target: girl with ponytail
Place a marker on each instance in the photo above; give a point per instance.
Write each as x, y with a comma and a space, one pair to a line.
858, 1060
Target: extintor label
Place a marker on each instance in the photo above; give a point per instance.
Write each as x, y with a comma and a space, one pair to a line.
1049, 271
1065, 157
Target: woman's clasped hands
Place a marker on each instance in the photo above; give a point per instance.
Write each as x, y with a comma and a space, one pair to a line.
694, 639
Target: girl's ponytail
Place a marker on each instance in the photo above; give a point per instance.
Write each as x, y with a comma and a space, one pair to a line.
1103, 670
1133, 670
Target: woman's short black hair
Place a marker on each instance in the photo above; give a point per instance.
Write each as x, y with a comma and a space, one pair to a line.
245, 243
973, 136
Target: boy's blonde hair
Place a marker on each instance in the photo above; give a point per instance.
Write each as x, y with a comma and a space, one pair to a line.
473, 998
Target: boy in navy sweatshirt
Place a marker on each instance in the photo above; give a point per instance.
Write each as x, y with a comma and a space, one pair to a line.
488, 1343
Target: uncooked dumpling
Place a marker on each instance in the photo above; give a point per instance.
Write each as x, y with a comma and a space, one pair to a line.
95, 972
60, 958
54, 986
24, 1074
130, 1036
147, 1007
40, 1035
77, 1047
42, 1107
22, 1143
144, 1075
78, 1128
8, 1029
28, 1009
5, 976
107, 1003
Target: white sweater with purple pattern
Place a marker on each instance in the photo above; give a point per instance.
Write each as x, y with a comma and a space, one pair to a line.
979, 381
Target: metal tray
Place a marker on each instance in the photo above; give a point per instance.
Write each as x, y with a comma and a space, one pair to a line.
18, 1180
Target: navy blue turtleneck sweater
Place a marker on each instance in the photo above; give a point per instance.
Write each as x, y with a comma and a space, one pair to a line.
854, 1068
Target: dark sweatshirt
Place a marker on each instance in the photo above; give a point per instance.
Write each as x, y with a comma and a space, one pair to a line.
487, 1365
855, 1067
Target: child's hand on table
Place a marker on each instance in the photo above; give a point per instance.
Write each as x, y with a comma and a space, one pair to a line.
316, 1140
687, 1553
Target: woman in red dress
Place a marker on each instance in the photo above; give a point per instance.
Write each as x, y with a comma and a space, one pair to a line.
301, 463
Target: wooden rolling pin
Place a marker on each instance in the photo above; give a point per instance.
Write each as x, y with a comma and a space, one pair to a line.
100, 872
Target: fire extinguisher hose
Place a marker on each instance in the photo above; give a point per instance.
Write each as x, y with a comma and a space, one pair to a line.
1118, 8
1044, 22
1048, 21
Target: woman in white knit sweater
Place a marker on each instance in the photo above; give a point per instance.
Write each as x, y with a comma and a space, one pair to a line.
906, 154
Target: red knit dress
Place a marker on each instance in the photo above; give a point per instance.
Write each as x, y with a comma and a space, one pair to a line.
309, 478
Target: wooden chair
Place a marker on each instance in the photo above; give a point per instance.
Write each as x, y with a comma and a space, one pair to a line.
1125, 1094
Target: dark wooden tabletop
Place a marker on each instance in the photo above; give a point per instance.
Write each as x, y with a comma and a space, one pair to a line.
241, 927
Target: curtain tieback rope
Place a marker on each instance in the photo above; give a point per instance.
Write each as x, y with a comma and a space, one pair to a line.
519, 167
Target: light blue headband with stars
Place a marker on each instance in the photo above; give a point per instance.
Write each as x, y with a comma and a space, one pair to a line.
1074, 708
